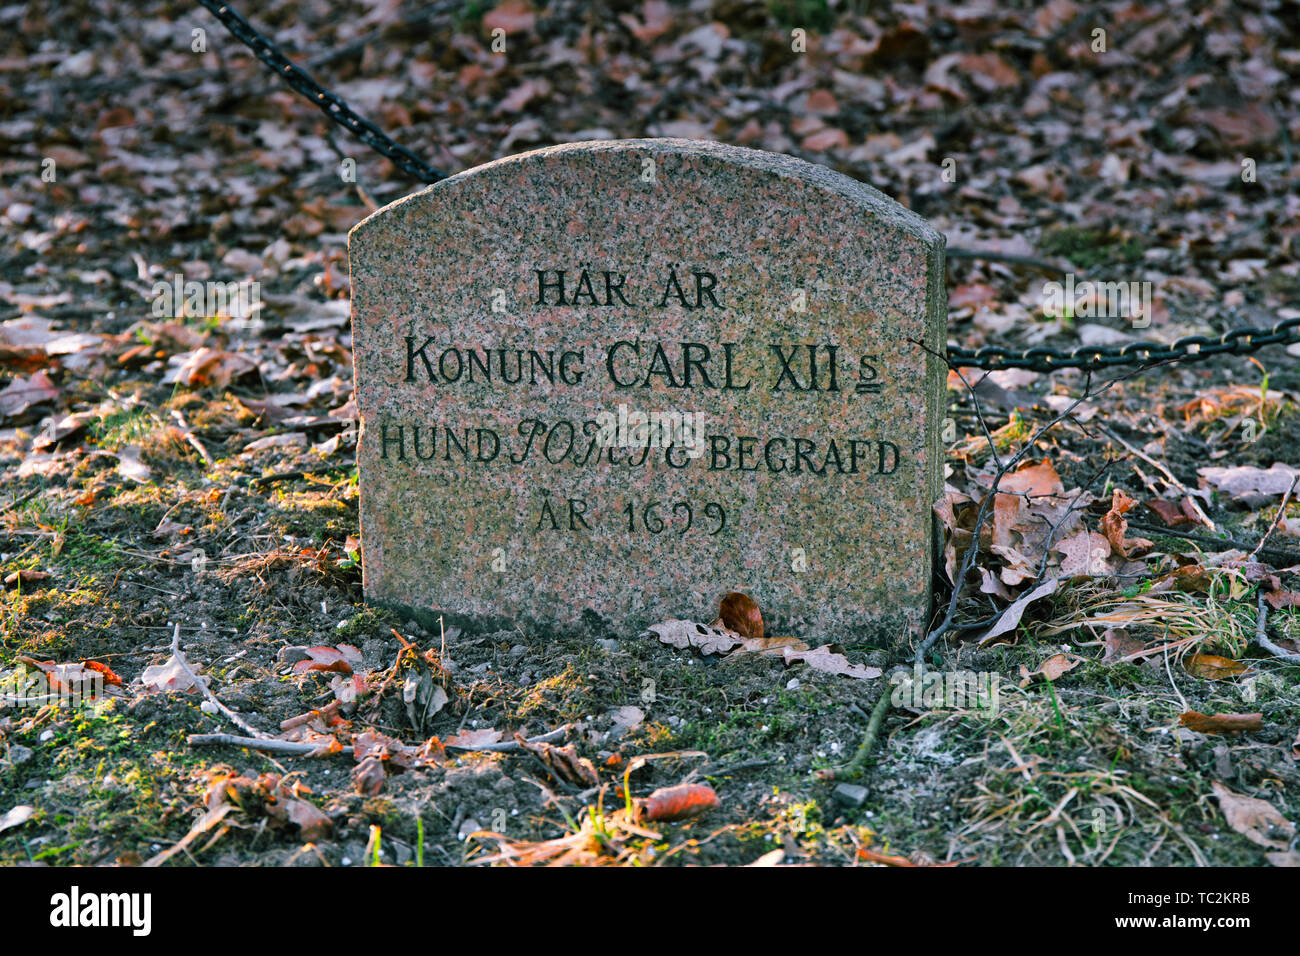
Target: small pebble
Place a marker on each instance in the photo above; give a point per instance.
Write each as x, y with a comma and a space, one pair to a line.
850, 794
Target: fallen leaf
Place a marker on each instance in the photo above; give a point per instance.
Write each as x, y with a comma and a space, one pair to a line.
512, 16
368, 776
1280, 599
1016, 494
1213, 667
27, 580
1084, 553
740, 614
1011, 616
21, 394
342, 659
681, 802
1120, 646
563, 762
1251, 486
626, 719
687, 634
1171, 514
1114, 524
1254, 819
1221, 723
169, 677
130, 466
826, 661
1050, 669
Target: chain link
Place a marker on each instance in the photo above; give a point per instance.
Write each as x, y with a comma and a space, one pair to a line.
1193, 348
331, 104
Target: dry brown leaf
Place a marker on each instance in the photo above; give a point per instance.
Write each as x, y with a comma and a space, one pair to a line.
21, 394
512, 16
1120, 646
313, 825
1213, 667
1050, 669
368, 776
341, 659
740, 614
681, 802
1221, 723
1280, 599
1114, 525
1011, 616
563, 762
1254, 819
1017, 491
1085, 553
1171, 514
1251, 486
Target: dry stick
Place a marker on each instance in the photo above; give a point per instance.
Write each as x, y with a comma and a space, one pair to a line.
1169, 477
238, 721
986, 506
1278, 517
1261, 634
854, 767
972, 552
302, 749
979, 415
260, 743
1210, 542
1074, 504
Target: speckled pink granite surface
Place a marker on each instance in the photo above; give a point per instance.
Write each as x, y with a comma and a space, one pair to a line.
485, 489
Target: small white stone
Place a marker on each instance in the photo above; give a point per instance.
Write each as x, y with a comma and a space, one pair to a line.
208, 707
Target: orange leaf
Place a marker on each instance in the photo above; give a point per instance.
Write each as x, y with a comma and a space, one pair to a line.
681, 802
740, 614
109, 676
1212, 667
1221, 723
874, 857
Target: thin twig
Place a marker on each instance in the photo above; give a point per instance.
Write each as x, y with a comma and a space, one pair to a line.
293, 747
986, 507
1220, 543
1276, 518
853, 768
1169, 476
506, 746
1261, 634
302, 749
238, 721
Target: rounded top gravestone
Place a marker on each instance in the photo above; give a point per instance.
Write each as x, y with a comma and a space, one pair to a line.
632, 376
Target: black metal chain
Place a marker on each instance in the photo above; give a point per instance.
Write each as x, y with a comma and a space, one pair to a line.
331, 104
1193, 348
